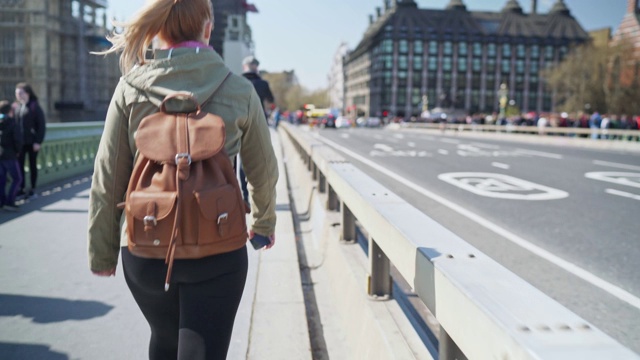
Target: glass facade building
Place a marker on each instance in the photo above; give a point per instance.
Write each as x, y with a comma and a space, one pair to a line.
457, 59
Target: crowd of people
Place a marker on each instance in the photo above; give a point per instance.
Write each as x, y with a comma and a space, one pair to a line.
22, 131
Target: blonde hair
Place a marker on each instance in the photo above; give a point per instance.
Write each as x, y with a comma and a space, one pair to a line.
175, 21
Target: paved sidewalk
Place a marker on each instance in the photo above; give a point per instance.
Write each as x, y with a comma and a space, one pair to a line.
53, 308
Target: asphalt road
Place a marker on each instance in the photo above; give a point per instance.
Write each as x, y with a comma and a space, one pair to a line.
564, 219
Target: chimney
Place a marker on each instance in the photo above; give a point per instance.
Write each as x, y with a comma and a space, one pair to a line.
534, 6
370, 19
632, 6
378, 11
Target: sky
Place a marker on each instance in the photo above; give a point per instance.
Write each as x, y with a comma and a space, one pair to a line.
303, 35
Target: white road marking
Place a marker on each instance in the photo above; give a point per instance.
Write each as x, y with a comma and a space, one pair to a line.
383, 147
620, 178
501, 165
485, 146
616, 165
623, 194
501, 186
411, 144
344, 136
554, 259
540, 153
443, 152
398, 136
450, 141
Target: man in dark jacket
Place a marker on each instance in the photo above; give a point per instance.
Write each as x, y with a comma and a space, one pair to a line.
250, 71
10, 146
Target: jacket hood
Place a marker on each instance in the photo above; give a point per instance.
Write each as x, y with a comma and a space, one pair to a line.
198, 71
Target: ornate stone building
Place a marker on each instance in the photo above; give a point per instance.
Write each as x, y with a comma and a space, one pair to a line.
456, 57
47, 43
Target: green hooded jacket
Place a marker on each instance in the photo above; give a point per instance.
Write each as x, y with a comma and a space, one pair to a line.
138, 94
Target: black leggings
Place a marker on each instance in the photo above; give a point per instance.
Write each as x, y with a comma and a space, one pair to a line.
194, 319
33, 165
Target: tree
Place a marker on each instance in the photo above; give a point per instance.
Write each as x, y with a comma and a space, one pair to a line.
596, 78
289, 95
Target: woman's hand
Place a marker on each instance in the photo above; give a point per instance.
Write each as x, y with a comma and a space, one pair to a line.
105, 273
272, 239
36, 147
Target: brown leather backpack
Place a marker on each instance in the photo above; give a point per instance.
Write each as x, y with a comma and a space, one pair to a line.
183, 199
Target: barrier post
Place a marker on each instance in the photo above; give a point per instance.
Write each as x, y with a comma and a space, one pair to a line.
379, 266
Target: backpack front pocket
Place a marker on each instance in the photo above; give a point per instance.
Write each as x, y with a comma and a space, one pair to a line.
151, 218
220, 217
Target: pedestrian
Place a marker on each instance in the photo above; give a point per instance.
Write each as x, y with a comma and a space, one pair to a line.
10, 146
194, 318
31, 120
250, 71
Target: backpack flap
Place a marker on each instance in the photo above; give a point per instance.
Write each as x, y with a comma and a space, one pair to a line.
151, 217
206, 136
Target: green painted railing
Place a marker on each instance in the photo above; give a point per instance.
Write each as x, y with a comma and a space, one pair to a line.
68, 150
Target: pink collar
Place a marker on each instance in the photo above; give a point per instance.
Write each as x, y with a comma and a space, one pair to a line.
188, 44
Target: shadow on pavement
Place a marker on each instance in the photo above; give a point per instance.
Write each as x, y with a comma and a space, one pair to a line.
47, 195
29, 351
47, 310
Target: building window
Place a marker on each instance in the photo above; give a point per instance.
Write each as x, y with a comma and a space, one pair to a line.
562, 52
446, 64
491, 50
387, 46
433, 63
387, 79
387, 61
417, 63
448, 48
403, 62
416, 97
535, 52
521, 51
462, 64
462, 49
491, 65
520, 66
477, 49
476, 65
506, 50
417, 47
433, 47
403, 46
402, 97
533, 67
505, 66
548, 52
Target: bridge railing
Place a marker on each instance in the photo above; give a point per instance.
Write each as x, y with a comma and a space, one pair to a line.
484, 310
69, 149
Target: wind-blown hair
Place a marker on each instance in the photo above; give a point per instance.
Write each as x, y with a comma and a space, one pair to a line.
175, 21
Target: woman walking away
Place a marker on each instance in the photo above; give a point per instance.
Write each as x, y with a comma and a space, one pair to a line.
193, 319
31, 120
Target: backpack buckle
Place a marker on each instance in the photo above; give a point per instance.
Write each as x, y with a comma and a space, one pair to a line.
150, 220
223, 218
222, 224
183, 156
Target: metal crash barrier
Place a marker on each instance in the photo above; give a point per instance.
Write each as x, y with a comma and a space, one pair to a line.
485, 311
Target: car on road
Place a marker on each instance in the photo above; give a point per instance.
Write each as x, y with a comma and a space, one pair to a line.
368, 122
343, 122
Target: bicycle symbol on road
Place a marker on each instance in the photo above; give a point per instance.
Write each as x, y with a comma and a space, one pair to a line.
502, 186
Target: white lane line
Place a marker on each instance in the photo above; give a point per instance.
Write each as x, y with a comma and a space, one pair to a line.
411, 144
344, 136
623, 194
539, 153
485, 146
443, 152
556, 260
450, 141
398, 136
616, 165
383, 147
501, 165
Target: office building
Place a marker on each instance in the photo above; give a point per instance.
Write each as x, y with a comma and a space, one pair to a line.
456, 58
